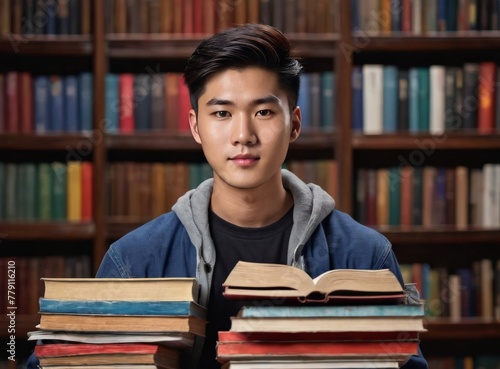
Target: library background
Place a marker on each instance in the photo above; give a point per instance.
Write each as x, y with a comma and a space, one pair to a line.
401, 125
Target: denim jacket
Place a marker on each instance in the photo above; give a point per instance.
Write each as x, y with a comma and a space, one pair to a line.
178, 243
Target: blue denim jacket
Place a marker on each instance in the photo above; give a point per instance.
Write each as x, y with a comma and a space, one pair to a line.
178, 243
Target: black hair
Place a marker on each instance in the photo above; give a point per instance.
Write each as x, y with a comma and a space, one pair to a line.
242, 46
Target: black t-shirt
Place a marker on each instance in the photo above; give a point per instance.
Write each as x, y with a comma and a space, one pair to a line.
267, 244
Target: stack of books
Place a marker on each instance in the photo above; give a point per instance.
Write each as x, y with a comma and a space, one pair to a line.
342, 319
96, 323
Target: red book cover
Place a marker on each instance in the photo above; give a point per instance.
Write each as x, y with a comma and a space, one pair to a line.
87, 191
126, 119
486, 96
198, 16
227, 350
171, 100
188, 13
406, 16
230, 336
67, 349
26, 106
12, 102
184, 107
406, 195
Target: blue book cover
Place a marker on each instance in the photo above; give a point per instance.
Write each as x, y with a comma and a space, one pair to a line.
101, 307
142, 102
50, 12
355, 15
56, 123
390, 99
328, 99
423, 99
394, 196
357, 98
41, 103
71, 103
413, 99
396, 15
442, 15
112, 102
86, 94
304, 101
332, 311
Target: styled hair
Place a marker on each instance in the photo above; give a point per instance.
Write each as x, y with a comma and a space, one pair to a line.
239, 47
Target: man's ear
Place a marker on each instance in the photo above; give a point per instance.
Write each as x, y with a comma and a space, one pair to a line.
296, 124
193, 125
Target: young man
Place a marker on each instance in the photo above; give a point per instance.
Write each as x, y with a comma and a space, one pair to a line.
244, 88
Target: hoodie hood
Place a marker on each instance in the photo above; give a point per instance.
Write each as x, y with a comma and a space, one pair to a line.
311, 205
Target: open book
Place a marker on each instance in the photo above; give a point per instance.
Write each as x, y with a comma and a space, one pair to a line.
260, 280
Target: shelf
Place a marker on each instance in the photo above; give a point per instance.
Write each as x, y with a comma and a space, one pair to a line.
407, 141
48, 141
52, 45
150, 141
439, 235
465, 328
431, 41
147, 46
47, 231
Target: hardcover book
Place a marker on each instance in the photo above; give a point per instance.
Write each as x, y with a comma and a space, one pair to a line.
284, 281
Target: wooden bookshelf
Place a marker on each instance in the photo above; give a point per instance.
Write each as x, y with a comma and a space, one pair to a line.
337, 52
64, 231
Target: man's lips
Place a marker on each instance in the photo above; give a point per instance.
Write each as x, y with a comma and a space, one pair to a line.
244, 160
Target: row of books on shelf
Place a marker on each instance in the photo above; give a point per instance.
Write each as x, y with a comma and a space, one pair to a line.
467, 291
30, 270
33, 17
42, 103
433, 99
419, 16
160, 101
55, 191
205, 17
464, 362
429, 196
144, 190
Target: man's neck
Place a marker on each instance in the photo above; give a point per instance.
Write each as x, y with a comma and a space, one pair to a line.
251, 208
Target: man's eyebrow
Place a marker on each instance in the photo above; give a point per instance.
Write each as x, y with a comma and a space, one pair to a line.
216, 101
271, 99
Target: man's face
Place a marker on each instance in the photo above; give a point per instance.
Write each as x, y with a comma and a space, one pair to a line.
244, 126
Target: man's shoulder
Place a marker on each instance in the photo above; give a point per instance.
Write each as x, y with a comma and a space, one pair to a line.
165, 225
343, 224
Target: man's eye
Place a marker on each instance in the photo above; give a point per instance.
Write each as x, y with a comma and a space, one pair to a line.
264, 112
222, 114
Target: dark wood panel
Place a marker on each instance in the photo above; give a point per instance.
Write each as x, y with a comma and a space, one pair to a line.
435, 41
49, 141
55, 45
465, 328
445, 141
47, 231
181, 47
440, 235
